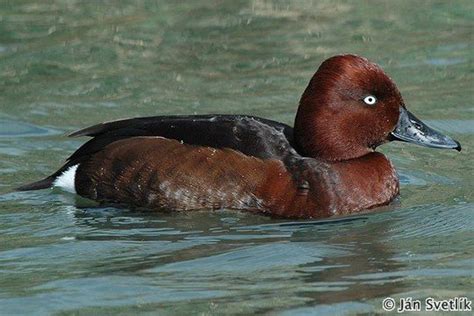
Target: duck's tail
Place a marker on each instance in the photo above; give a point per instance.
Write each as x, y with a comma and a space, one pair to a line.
63, 177
38, 185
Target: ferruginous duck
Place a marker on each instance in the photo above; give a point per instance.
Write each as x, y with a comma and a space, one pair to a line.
325, 165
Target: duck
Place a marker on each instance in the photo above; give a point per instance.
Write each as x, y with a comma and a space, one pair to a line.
325, 165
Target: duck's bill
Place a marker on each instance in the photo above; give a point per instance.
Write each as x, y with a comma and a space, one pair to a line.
410, 129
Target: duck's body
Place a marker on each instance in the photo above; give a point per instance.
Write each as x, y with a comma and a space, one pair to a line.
238, 162
326, 166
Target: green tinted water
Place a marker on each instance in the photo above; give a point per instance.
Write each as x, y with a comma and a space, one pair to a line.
69, 64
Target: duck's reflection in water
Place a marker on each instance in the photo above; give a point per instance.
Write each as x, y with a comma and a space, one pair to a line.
314, 262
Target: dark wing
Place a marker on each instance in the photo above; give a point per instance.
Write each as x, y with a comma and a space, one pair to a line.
253, 136
250, 135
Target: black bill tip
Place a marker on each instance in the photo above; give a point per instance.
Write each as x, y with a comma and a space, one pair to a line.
458, 148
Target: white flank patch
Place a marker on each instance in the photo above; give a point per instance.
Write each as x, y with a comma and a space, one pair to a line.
66, 180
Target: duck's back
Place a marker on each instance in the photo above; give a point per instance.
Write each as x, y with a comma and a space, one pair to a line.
253, 136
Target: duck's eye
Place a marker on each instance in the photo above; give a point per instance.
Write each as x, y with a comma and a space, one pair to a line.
370, 100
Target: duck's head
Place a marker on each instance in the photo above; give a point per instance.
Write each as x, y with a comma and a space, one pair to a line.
350, 107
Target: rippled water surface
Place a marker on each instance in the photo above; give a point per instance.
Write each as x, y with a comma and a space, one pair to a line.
68, 64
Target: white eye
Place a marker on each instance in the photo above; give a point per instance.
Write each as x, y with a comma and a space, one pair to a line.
370, 100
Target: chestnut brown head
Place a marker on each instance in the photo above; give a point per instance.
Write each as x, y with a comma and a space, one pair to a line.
349, 108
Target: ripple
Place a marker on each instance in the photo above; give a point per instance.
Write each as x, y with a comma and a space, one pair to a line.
333, 309
415, 177
11, 128
453, 126
445, 61
256, 258
433, 220
76, 293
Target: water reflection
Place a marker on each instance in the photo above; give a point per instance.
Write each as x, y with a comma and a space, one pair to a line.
208, 247
370, 254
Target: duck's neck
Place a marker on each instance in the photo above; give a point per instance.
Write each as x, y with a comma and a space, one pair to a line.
316, 138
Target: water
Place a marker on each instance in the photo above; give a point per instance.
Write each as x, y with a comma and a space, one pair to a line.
68, 64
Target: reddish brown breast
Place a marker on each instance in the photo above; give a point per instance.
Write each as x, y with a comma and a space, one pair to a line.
322, 189
364, 183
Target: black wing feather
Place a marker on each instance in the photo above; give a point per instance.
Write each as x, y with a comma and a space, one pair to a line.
251, 135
